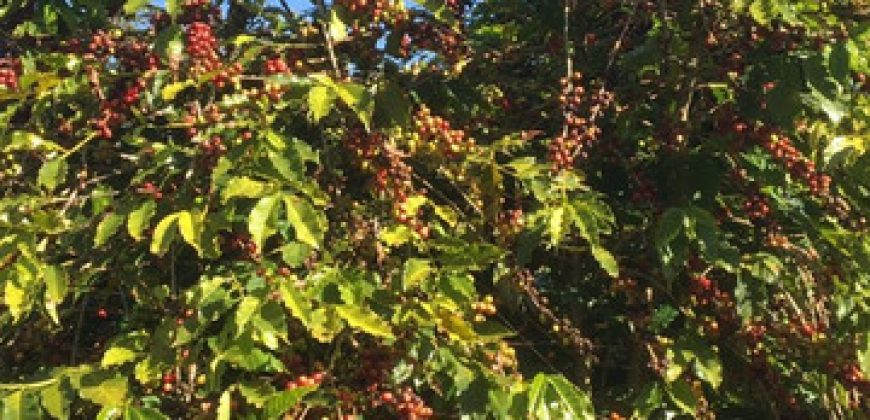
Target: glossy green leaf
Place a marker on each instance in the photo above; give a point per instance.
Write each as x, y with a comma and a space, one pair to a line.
52, 173
164, 234
55, 401
606, 260
107, 228
320, 102
140, 219
260, 221
243, 187
190, 226
364, 320
109, 392
416, 271
285, 401
305, 220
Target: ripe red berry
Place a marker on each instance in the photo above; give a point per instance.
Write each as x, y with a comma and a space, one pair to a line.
102, 313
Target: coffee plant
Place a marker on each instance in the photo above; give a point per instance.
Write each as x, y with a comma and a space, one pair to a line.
375, 209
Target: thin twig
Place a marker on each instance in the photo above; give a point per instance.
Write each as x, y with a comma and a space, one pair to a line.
330, 43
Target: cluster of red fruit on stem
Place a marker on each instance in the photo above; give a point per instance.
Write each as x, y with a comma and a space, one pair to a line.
435, 130
756, 206
781, 147
239, 244
314, 379
484, 308
150, 190
9, 70
202, 47
393, 176
706, 293
376, 11
407, 404
580, 110
275, 65
510, 223
434, 37
562, 327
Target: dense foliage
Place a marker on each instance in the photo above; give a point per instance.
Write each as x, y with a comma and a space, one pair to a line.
490, 209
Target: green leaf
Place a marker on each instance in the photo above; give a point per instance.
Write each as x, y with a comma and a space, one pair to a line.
143, 413
358, 99
111, 392
553, 396
140, 219
557, 225
172, 90
132, 6
118, 356
247, 308
55, 289
320, 102
107, 227
295, 253
224, 406
396, 235
15, 297
173, 7
392, 106
416, 270
337, 27
578, 403
55, 283
285, 401
440, 10
295, 303
52, 173
243, 187
260, 220
190, 226
20, 406
682, 395
365, 321
305, 220
606, 260
55, 401
164, 234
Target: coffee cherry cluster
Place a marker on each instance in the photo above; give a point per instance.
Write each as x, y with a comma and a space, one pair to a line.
202, 47
109, 118
314, 379
781, 148
151, 190
377, 11
435, 37
436, 133
580, 111
101, 44
131, 94
393, 176
407, 404
756, 206
275, 65
707, 294
375, 366
212, 149
484, 308
137, 56
9, 70
504, 357
510, 223
561, 327
239, 245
